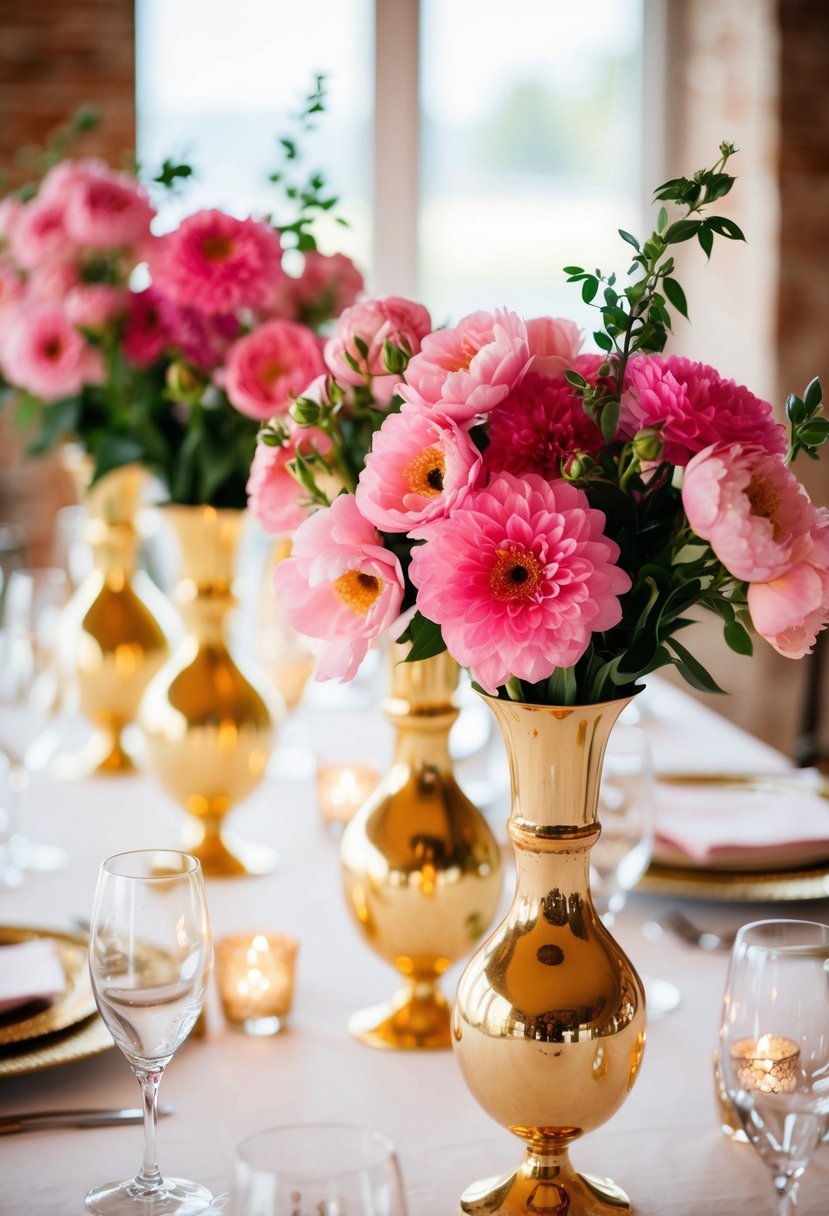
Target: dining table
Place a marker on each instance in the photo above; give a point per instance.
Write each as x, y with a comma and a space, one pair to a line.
665, 1146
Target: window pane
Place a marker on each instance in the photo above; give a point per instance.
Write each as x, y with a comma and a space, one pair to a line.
531, 150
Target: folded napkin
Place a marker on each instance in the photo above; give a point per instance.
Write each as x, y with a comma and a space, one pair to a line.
740, 827
30, 971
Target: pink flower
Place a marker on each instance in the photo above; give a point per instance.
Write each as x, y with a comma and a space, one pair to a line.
271, 366
202, 338
791, 610
148, 326
554, 344
95, 306
217, 263
12, 287
518, 577
467, 370
537, 426
275, 497
52, 282
340, 584
67, 175
45, 354
418, 469
374, 322
39, 235
10, 210
695, 407
107, 210
328, 284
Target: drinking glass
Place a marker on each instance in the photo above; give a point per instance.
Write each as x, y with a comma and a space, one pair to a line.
774, 1044
149, 958
317, 1170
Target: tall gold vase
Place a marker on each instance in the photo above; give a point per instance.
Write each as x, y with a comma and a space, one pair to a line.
208, 728
113, 635
549, 1021
421, 868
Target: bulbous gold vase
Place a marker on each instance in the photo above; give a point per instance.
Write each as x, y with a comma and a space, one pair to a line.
114, 630
549, 1020
421, 867
208, 728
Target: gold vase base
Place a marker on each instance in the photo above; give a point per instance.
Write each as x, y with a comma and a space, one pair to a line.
104, 753
415, 1020
223, 855
544, 1189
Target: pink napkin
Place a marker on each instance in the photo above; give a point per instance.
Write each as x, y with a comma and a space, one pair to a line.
740, 828
30, 971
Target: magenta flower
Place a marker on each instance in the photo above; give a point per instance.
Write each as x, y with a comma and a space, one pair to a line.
374, 322
340, 584
791, 610
271, 366
537, 427
554, 344
148, 326
107, 210
275, 497
203, 338
45, 354
419, 468
695, 407
328, 284
467, 370
519, 577
217, 263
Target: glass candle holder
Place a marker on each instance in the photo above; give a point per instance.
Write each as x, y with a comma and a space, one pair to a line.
255, 975
768, 1065
342, 788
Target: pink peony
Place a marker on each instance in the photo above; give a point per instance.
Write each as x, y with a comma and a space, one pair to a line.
537, 426
518, 577
554, 345
467, 370
418, 469
95, 306
791, 610
695, 408
271, 366
275, 497
393, 319
39, 235
217, 263
107, 210
340, 584
148, 326
45, 354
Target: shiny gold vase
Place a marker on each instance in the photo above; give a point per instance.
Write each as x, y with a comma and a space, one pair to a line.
421, 868
549, 1021
208, 729
114, 630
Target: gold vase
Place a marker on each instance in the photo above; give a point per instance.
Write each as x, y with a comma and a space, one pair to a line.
421, 868
549, 1021
208, 729
114, 630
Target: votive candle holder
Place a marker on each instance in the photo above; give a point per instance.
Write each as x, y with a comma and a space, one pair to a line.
255, 976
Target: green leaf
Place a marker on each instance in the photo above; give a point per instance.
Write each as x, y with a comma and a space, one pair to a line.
113, 452
609, 420
795, 409
589, 288
602, 341
676, 296
813, 395
738, 638
631, 240
662, 220
814, 433
682, 230
718, 185
725, 227
574, 270
562, 686
691, 670
426, 638
706, 238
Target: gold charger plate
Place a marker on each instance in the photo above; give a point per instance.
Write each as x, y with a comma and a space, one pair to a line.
737, 886
77, 1002
89, 1038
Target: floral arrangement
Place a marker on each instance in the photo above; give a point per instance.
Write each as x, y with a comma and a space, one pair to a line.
167, 350
551, 517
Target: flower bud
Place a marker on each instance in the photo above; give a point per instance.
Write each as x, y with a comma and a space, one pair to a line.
577, 466
306, 412
648, 443
184, 382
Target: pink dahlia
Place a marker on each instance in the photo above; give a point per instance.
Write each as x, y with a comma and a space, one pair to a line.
147, 330
537, 427
791, 610
271, 366
275, 497
108, 210
217, 263
518, 577
46, 354
340, 584
419, 468
39, 235
401, 322
467, 370
554, 344
695, 408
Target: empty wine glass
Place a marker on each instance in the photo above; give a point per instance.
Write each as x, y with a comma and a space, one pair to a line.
149, 958
324, 1169
774, 1044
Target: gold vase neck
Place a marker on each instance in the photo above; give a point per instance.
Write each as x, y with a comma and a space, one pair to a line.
208, 541
421, 707
112, 504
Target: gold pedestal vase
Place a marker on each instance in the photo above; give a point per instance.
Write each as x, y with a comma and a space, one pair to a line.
114, 630
208, 728
421, 867
549, 1020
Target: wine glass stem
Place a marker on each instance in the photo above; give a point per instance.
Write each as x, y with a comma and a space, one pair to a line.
786, 1188
149, 1081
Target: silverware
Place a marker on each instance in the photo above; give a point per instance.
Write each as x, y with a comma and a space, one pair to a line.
694, 935
803, 782
38, 1121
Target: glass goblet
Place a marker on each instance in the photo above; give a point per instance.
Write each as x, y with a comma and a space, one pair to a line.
317, 1170
149, 958
774, 1044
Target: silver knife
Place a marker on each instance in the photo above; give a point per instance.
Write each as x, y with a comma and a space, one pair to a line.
38, 1121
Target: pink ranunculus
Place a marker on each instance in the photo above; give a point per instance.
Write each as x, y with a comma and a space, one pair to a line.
45, 354
148, 327
751, 509
518, 577
94, 306
275, 497
108, 210
270, 366
554, 344
39, 235
418, 470
790, 611
217, 263
537, 427
467, 370
695, 407
401, 322
340, 584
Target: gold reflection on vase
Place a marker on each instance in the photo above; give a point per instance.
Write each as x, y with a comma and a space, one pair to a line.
284, 655
421, 868
111, 638
549, 1021
208, 729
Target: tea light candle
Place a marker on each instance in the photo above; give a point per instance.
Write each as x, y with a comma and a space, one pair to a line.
767, 1065
342, 789
255, 974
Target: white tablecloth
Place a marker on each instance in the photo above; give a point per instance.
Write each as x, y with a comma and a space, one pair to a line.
664, 1146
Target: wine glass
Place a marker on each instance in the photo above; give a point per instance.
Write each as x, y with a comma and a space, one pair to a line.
774, 1044
317, 1170
149, 958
